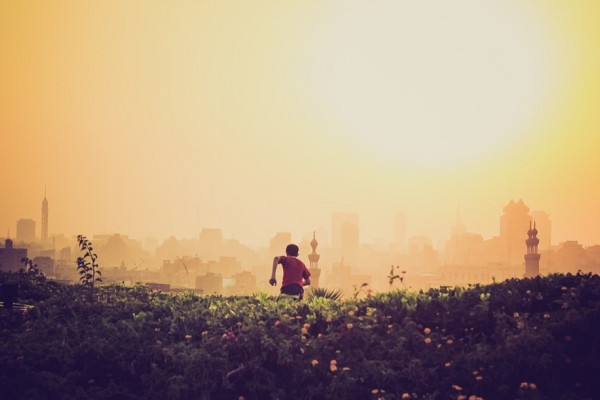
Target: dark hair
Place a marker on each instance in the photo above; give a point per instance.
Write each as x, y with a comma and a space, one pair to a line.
291, 250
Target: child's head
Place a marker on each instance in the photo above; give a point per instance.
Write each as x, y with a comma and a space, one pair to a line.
291, 250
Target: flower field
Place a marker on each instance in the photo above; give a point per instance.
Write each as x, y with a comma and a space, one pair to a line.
519, 339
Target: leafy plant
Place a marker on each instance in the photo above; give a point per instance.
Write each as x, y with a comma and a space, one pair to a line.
392, 276
359, 289
87, 264
331, 294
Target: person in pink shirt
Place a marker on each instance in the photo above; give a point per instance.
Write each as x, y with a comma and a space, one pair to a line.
295, 273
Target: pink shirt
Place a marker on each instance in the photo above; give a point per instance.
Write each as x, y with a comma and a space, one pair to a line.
294, 271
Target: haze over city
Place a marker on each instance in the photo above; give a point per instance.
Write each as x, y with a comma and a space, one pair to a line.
256, 118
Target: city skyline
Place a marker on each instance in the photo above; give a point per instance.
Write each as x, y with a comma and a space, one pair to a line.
344, 235
159, 119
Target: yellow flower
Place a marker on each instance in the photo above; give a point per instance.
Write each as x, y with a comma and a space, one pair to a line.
304, 330
449, 341
333, 367
351, 313
427, 331
188, 337
479, 377
405, 395
374, 391
448, 364
314, 362
532, 386
346, 369
427, 340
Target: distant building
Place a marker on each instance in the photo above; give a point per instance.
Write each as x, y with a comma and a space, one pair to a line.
10, 258
210, 243
532, 257
513, 223
25, 231
278, 243
45, 265
421, 255
210, 284
44, 220
345, 236
342, 278
315, 271
570, 256
398, 245
464, 248
244, 284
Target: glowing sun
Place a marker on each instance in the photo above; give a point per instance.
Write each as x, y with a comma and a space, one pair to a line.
428, 85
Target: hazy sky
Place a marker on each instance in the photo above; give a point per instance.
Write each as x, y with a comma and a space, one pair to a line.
163, 117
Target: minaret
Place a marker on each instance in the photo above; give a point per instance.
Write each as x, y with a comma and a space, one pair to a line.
44, 219
314, 269
532, 258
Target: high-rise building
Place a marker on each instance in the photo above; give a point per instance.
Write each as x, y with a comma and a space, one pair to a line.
345, 236
513, 223
25, 231
45, 219
398, 245
532, 257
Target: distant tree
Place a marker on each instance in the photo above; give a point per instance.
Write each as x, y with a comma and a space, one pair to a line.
87, 265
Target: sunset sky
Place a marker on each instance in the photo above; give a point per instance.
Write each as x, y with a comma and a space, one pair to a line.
163, 117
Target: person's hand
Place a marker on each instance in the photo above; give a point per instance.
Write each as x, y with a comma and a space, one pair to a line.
272, 281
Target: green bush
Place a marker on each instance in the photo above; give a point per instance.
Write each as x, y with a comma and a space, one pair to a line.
520, 339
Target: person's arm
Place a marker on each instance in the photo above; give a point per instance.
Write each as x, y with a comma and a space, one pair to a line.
306, 276
273, 281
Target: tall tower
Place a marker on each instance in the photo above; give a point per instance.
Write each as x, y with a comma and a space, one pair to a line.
44, 219
532, 258
315, 271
